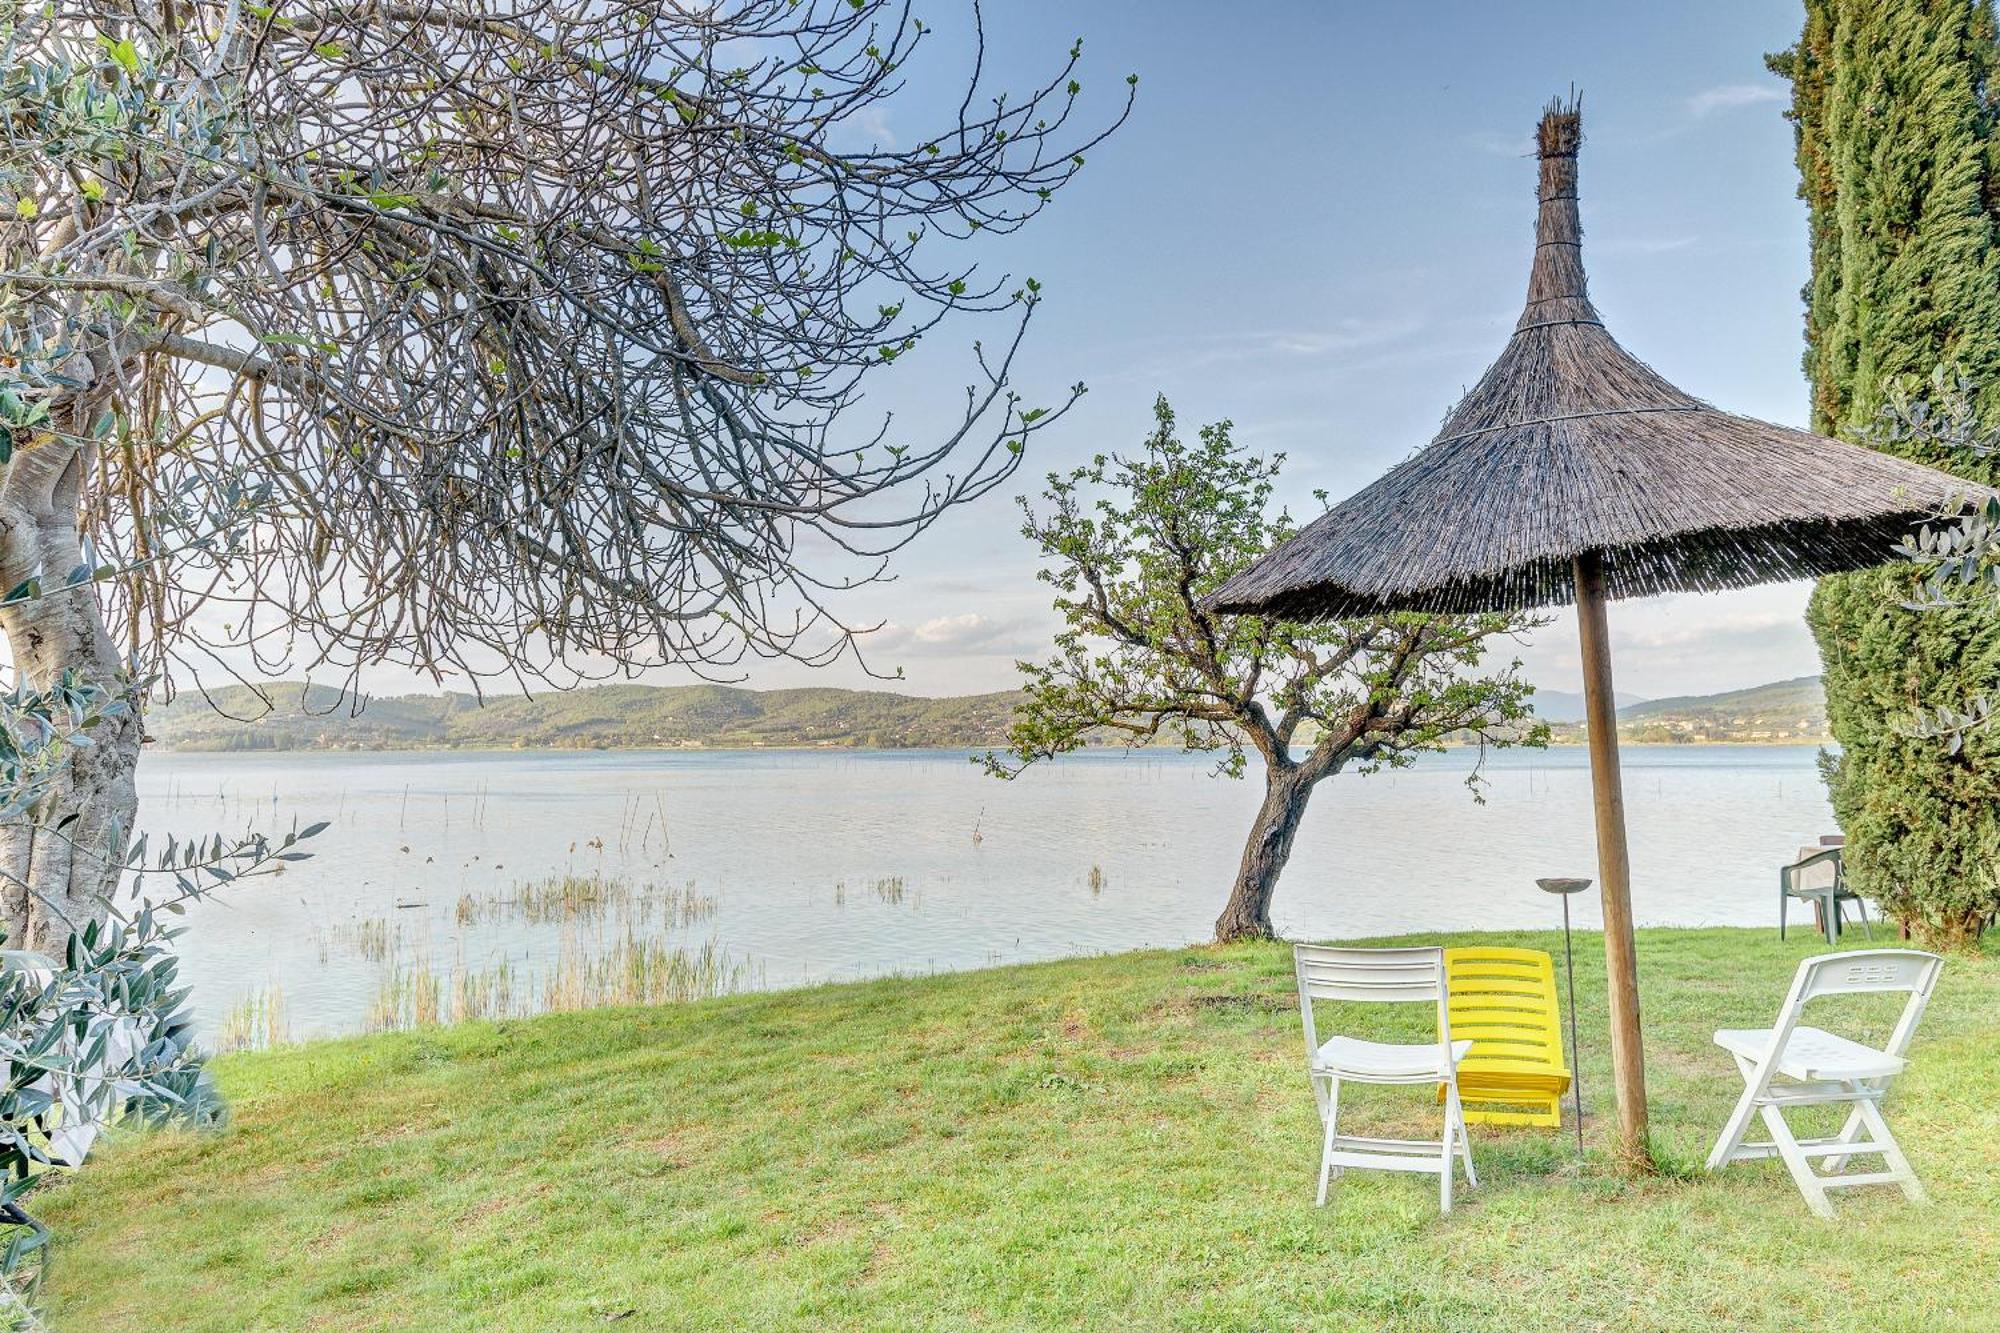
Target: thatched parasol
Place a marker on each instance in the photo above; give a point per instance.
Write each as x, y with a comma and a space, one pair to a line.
1574, 471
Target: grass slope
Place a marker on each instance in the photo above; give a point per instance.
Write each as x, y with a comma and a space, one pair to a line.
1119, 1142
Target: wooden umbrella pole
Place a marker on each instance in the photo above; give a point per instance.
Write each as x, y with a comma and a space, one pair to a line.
1614, 867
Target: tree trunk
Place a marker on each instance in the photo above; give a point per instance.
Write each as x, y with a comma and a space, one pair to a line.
1247, 916
55, 871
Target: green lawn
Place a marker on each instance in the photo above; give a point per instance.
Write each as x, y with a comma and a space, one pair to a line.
1101, 1143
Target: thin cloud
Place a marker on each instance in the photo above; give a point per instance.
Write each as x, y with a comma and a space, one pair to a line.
1730, 96
874, 122
1502, 145
1341, 338
1748, 630
1688, 643
947, 636
1690, 114
1344, 337
1645, 245
865, 130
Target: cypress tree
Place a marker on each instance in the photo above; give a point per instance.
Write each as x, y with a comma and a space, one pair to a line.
1893, 110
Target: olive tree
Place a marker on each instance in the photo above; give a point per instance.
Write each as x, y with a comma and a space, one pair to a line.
539, 328
1135, 544
101, 1031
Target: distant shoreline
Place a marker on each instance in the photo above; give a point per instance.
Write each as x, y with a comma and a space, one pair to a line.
292, 719
1562, 744
1746, 743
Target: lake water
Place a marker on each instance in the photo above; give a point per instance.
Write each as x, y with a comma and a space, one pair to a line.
812, 866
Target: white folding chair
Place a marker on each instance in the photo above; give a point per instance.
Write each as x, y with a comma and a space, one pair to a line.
1790, 1065
1375, 975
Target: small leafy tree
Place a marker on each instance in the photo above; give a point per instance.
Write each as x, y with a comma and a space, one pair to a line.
1140, 655
549, 326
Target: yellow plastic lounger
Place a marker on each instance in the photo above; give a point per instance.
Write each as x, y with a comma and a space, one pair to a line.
1505, 1001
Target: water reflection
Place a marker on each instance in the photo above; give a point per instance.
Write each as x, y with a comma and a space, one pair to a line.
814, 866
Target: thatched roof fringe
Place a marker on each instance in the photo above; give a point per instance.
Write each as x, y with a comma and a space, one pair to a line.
1570, 444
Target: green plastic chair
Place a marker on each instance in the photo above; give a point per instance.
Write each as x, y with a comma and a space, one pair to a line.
1827, 895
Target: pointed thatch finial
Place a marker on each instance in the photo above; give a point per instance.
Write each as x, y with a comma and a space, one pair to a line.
1560, 132
1557, 291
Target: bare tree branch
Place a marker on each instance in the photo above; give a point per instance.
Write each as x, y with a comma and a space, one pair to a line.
550, 322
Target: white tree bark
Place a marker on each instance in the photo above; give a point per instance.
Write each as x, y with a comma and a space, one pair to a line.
55, 871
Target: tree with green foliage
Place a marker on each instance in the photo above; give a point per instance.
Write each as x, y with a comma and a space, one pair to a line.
1894, 121
1894, 112
543, 330
1136, 545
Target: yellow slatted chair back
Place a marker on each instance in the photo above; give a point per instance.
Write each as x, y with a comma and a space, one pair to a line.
1504, 1000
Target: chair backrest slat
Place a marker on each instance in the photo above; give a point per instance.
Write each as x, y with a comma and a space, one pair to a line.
1371, 976
1868, 970
1504, 1000
1860, 971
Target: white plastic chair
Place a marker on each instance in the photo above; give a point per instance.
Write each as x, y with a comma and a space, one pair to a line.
1791, 1065
1377, 975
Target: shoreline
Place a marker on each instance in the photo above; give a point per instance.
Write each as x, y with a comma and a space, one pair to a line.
978, 973
1558, 744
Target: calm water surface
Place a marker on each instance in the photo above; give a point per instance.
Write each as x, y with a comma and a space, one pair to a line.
829, 866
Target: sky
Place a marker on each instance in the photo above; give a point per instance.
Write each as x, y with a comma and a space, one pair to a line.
1318, 224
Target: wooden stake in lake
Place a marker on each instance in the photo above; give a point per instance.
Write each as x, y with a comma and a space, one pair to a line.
1574, 472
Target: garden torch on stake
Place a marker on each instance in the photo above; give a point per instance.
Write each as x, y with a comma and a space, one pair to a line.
1563, 888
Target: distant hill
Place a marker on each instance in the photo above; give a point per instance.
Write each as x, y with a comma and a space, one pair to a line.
1788, 710
1784, 711
625, 717
599, 717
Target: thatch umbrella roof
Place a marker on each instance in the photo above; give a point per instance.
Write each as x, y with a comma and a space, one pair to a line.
1573, 471
1569, 444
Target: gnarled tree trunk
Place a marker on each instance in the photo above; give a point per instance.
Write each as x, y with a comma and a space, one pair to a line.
55, 869
1247, 915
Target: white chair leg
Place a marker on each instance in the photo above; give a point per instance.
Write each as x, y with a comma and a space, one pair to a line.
1849, 1132
1447, 1150
1892, 1152
1333, 1111
1330, 1108
1795, 1162
1738, 1122
1457, 1113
